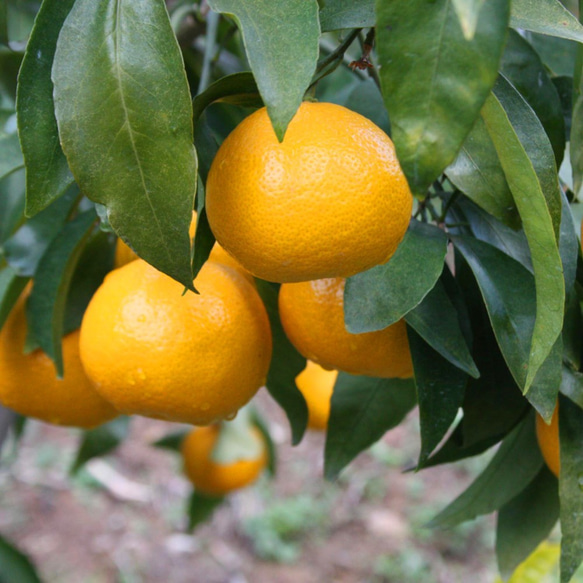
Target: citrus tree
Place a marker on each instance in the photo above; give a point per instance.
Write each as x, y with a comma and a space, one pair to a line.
114, 117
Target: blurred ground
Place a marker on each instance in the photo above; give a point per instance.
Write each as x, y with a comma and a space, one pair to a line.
122, 519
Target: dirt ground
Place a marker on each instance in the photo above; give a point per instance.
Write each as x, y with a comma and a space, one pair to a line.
122, 518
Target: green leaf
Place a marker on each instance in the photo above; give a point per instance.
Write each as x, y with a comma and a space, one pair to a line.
15, 567
558, 54
570, 487
440, 392
381, 296
434, 81
100, 441
513, 467
362, 410
125, 122
568, 246
263, 427
525, 521
365, 98
545, 387
467, 12
26, 247
286, 364
528, 161
572, 340
436, 320
477, 172
236, 89
200, 508
572, 386
236, 440
3, 22
11, 286
508, 292
10, 155
172, 441
283, 64
522, 66
547, 17
46, 304
338, 14
9, 65
11, 204
47, 172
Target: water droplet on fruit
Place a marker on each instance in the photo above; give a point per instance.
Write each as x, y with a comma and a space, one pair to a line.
231, 416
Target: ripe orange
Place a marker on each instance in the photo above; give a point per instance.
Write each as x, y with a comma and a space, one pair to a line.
29, 383
312, 315
213, 478
317, 384
150, 350
329, 201
548, 441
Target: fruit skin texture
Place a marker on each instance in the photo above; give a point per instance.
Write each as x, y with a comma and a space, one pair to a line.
152, 351
329, 201
317, 384
29, 383
548, 441
312, 315
210, 477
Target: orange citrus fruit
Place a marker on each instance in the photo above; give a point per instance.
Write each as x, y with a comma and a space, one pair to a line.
317, 384
312, 315
29, 383
155, 351
330, 200
213, 478
548, 441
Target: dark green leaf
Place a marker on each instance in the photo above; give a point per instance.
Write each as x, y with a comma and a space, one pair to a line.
10, 155
338, 14
11, 204
468, 12
434, 81
513, 467
237, 89
263, 427
558, 54
522, 66
3, 22
545, 387
570, 487
200, 508
9, 65
576, 144
367, 100
564, 87
47, 302
435, 319
572, 338
526, 521
381, 296
283, 64
568, 246
528, 161
172, 441
125, 121
572, 386
440, 392
547, 17
25, 248
508, 292
15, 567
100, 441
362, 410
11, 286
477, 172
47, 172
286, 365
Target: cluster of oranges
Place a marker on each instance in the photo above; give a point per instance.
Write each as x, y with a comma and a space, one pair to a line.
328, 202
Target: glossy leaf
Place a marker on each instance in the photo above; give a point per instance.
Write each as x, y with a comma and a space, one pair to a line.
46, 305
362, 410
381, 296
440, 392
200, 508
467, 12
286, 365
47, 171
119, 78
571, 438
434, 81
545, 387
100, 441
11, 286
366, 99
237, 89
282, 64
568, 245
15, 566
526, 521
558, 54
436, 320
339, 14
572, 386
25, 248
509, 295
11, 204
547, 17
513, 467
477, 172
11, 155
528, 161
